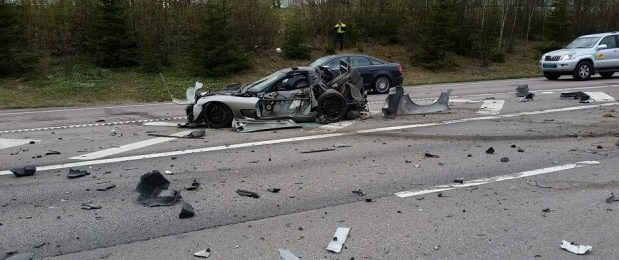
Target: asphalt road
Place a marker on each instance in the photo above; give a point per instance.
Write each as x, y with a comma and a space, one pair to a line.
562, 160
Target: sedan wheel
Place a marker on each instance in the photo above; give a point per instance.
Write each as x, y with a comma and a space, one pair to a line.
582, 71
218, 115
382, 85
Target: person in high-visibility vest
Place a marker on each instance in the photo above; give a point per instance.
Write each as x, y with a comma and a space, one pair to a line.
340, 31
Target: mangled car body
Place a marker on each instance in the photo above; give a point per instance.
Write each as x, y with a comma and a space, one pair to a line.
300, 93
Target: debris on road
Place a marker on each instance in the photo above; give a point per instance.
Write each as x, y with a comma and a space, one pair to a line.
153, 189
24, 171
187, 211
490, 150
20, 256
196, 134
203, 253
397, 103
340, 145
274, 190
576, 249
429, 155
527, 97
584, 98
52, 153
89, 206
75, 173
335, 245
193, 185
505, 159
253, 125
358, 192
612, 198
103, 186
459, 180
534, 183
287, 255
247, 193
522, 90
319, 150
520, 150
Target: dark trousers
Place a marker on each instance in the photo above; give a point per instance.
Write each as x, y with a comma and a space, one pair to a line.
340, 40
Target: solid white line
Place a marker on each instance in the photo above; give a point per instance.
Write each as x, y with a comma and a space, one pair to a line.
491, 107
305, 138
171, 124
88, 125
6, 143
600, 96
512, 176
128, 147
83, 109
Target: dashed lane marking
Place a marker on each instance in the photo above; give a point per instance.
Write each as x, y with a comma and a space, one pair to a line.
169, 124
512, 176
6, 143
306, 138
89, 125
128, 147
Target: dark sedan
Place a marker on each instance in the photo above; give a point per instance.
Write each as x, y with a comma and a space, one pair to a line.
378, 75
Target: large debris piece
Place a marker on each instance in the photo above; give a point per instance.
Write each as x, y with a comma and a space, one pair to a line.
76, 173
338, 239
153, 189
522, 90
24, 171
187, 211
204, 253
397, 103
253, 125
576, 249
247, 193
583, 97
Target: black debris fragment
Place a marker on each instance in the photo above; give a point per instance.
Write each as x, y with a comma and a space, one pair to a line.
153, 189
520, 150
100, 121
576, 95
534, 183
196, 134
24, 171
358, 192
319, 150
459, 180
612, 198
247, 193
89, 206
105, 186
546, 210
187, 211
193, 185
40, 245
599, 147
429, 155
52, 153
513, 146
341, 145
369, 200
274, 190
20, 256
490, 150
522, 90
505, 159
527, 97
223, 169
32, 142
75, 173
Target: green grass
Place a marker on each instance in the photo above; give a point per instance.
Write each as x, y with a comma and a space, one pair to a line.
84, 85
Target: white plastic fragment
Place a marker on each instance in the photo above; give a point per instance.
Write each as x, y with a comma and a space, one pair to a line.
338, 239
287, 255
576, 249
203, 253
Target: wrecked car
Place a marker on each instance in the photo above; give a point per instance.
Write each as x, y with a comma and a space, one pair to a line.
300, 93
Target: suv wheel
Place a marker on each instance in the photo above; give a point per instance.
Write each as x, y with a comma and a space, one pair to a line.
551, 75
582, 71
606, 75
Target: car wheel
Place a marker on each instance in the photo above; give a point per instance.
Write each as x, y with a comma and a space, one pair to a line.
217, 115
381, 85
582, 71
606, 75
551, 76
301, 84
332, 106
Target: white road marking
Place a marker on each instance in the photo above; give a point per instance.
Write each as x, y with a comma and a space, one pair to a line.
600, 97
82, 109
491, 107
333, 126
547, 92
466, 101
512, 176
128, 147
305, 138
6, 143
171, 124
89, 125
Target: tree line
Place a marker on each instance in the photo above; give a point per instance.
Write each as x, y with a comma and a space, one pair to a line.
219, 37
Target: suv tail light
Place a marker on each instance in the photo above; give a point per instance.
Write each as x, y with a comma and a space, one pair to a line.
400, 69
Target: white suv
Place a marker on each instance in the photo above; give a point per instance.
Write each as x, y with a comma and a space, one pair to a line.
583, 57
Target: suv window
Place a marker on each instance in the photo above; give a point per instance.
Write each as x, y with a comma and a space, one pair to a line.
610, 41
583, 42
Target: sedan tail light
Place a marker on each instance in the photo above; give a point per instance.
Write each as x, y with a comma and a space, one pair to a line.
400, 69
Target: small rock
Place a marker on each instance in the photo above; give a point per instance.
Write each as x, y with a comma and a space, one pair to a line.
599, 147
520, 150
490, 150
504, 159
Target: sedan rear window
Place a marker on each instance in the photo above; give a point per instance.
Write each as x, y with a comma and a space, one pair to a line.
356, 61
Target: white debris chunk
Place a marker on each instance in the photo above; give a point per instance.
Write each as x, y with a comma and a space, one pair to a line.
338, 239
576, 249
203, 253
287, 255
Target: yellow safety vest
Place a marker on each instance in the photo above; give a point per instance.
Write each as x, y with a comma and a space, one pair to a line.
340, 28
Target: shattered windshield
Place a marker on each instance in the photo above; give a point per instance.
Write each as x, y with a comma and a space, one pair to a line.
583, 42
263, 84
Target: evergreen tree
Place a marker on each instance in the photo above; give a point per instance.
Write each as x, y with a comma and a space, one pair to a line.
559, 25
14, 60
434, 39
111, 41
295, 44
216, 51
